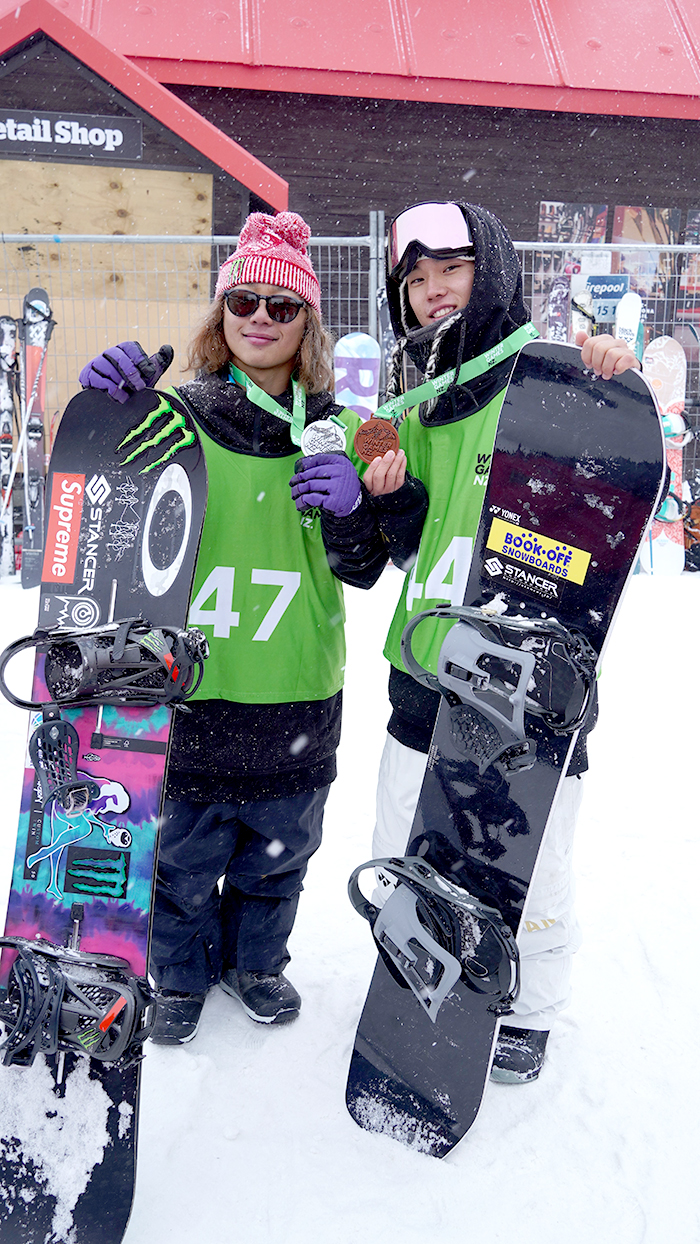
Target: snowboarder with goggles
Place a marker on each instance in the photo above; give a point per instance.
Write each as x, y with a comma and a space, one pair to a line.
454, 290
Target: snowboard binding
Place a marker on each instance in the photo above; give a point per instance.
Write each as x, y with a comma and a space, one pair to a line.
128, 663
493, 669
432, 933
70, 1001
54, 748
673, 509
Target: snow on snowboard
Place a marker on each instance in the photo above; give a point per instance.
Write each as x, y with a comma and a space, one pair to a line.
125, 504
576, 475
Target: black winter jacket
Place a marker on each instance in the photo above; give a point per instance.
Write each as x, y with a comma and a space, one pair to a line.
227, 752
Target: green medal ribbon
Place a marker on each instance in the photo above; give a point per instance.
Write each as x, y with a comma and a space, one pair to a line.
423, 393
468, 371
259, 397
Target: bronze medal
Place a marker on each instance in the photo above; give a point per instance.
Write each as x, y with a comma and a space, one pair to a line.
374, 438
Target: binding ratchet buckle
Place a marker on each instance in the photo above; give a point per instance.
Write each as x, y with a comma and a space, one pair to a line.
129, 663
431, 934
493, 669
66, 1000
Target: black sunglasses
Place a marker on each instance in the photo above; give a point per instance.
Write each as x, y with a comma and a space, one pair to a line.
279, 307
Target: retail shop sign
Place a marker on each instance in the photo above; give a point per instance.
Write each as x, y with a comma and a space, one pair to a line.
70, 134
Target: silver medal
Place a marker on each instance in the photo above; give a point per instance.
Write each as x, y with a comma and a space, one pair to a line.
322, 437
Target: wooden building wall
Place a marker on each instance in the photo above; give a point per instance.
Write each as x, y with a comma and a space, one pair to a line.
104, 293
344, 156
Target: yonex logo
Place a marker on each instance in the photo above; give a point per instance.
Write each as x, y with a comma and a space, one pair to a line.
97, 490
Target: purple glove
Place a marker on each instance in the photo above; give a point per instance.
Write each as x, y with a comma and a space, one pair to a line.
126, 369
329, 481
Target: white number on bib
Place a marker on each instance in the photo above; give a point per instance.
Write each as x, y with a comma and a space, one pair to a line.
222, 616
290, 582
455, 562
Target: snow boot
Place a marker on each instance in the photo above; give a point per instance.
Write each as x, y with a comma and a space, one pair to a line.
519, 1055
178, 1017
267, 998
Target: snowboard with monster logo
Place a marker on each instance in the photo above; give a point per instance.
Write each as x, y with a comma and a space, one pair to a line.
125, 501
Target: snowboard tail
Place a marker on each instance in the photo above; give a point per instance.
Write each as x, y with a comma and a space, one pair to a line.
664, 365
576, 475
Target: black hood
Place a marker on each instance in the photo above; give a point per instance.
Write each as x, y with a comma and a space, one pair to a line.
229, 418
496, 308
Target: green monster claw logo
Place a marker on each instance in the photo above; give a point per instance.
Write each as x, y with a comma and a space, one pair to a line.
105, 877
175, 425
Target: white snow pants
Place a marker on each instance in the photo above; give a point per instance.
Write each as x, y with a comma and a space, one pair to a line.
549, 933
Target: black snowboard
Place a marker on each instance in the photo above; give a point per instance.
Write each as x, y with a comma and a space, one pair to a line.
576, 476
126, 495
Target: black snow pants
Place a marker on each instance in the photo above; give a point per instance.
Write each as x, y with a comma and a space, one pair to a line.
261, 850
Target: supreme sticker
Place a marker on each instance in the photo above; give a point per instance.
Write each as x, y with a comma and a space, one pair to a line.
63, 528
523, 545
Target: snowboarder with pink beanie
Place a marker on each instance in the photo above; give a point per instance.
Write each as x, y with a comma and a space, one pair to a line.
251, 765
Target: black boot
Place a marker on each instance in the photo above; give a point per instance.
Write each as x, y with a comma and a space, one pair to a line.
267, 998
178, 1017
519, 1055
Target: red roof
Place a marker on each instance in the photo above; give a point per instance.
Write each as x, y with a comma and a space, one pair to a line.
136, 84
638, 58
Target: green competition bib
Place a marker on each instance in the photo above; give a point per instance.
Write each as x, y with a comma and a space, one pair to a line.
263, 593
453, 462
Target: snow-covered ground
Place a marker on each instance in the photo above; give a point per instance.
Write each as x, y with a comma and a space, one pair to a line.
244, 1133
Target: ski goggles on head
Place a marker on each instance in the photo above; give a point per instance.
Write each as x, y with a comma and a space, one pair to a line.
434, 229
280, 307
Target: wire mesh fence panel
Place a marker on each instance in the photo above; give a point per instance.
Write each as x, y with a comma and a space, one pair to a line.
102, 293
343, 270
104, 290
107, 290
667, 279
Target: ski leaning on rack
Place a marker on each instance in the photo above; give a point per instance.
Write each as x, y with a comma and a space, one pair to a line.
8, 389
629, 322
126, 498
34, 333
576, 476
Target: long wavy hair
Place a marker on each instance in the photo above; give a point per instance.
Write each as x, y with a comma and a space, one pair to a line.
208, 351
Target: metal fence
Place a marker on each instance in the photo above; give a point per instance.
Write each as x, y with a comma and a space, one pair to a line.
668, 280
109, 289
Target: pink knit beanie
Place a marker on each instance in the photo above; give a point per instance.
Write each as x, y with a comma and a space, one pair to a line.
272, 251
